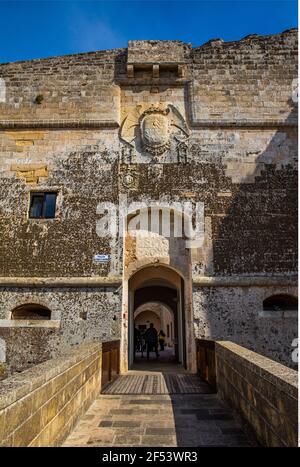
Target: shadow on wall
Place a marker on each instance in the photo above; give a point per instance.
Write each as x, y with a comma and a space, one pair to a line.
254, 232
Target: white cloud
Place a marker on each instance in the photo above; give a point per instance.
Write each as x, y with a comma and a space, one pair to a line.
92, 33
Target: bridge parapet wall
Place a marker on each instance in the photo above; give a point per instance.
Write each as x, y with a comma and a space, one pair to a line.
40, 406
263, 391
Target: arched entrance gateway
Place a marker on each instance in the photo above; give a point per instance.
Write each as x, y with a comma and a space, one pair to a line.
162, 317
164, 287
157, 287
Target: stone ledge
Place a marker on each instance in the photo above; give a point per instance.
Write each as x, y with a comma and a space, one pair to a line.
283, 378
244, 281
275, 314
116, 281
57, 124
95, 124
23, 323
254, 124
97, 281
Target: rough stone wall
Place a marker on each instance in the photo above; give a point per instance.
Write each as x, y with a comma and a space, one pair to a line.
100, 321
223, 173
82, 168
248, 79
231, 144
236, 314
74, 87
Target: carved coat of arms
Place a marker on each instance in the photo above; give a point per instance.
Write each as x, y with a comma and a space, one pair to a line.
154, 129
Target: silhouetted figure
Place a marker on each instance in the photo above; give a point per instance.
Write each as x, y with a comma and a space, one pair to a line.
161, 340
151, 340
137, 340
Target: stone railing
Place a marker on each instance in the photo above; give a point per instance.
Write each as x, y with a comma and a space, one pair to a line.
262, 391
40, 406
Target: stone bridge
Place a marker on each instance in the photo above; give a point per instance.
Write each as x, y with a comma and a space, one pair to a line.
238, 398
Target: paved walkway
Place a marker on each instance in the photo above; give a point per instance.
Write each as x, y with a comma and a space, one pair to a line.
179, 420
184, 419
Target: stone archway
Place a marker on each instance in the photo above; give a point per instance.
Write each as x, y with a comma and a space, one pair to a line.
156, 256
158, 313
163, 286
160, 284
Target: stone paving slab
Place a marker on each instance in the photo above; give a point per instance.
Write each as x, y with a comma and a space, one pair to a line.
174, 420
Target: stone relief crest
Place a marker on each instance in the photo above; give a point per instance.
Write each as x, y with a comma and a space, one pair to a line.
154, 130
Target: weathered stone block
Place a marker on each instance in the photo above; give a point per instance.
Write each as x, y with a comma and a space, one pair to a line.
23, 435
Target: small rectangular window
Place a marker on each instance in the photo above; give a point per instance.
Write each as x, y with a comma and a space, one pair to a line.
42, 205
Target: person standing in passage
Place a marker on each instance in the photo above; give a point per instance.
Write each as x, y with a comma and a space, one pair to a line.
137, 340
151, 340
161, 340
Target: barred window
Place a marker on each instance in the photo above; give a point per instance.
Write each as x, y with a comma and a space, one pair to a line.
42, 205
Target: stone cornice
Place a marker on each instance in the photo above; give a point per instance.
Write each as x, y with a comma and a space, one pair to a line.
99, 124
97, 281
116, 281
56, 124
245, 281
253, 124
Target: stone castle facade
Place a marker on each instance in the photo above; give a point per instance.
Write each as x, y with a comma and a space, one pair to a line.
207, 138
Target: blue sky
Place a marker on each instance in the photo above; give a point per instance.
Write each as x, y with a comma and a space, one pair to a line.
38, 28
